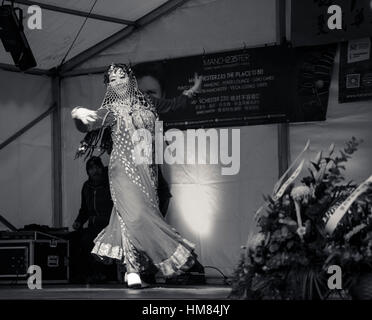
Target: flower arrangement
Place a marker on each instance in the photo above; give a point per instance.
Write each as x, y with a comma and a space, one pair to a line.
301, 234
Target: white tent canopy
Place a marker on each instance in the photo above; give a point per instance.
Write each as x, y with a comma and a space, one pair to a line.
40, 180
51, 43
189, 25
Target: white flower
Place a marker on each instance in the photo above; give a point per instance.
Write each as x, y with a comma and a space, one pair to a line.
302, 193
256, 241
301, 231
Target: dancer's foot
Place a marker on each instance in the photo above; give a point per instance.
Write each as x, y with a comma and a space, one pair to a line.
134, 281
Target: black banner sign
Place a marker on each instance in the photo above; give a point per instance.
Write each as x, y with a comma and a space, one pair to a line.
310, 21
355, 79
239, 87
247, 87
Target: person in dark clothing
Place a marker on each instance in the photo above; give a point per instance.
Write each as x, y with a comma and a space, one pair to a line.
96, 203
96, 207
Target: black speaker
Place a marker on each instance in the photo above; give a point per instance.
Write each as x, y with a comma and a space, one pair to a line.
14, 39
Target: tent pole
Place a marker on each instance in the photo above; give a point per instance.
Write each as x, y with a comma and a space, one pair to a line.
27, 127
281, 22
57, 152
84, 72
283, 147
283, 128
99, 70
34, 71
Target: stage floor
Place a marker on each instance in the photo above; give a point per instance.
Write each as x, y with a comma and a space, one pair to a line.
113, 292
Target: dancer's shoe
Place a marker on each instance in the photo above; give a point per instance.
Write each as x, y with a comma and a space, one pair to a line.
134, 281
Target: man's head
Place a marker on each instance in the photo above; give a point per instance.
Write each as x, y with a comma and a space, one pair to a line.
95, 169
150, 78
150, 85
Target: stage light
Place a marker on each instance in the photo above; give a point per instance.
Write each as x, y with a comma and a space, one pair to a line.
196, 210
13, 37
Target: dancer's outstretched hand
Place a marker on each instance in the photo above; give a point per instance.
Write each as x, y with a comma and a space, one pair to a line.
197, 83
85, 115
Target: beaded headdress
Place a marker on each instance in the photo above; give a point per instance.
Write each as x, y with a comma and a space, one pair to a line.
124, 93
